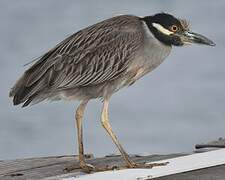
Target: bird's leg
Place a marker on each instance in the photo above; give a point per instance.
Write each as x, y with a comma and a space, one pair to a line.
106, 125
83, 165
79, 118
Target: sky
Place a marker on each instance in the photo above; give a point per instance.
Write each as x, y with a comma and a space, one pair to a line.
179, 104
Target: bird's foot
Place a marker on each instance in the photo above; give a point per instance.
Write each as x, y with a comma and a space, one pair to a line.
89, 168
144, 165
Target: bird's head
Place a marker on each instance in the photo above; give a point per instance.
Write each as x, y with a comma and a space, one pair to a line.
173, 31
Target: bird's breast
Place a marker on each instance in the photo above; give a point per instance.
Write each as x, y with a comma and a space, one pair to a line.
147, 60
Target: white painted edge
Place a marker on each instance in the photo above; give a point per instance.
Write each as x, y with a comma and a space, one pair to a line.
176, 165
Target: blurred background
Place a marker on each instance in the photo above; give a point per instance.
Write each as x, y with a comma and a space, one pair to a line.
179, 104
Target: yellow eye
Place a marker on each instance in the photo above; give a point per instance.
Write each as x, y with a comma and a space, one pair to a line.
174, 28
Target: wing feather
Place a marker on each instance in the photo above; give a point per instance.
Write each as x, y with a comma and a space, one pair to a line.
94, 55
97, 64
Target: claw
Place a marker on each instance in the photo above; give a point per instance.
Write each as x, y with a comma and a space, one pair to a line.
70, 168
88, 168
144, 165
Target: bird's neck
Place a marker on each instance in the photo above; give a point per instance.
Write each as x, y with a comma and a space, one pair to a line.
158, 35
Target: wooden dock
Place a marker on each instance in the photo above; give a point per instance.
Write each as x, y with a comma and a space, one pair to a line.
52, 168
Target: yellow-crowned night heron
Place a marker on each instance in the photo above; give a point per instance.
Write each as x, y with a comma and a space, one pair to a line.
99, 60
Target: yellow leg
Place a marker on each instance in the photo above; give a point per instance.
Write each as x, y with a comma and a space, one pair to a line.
79, 118
83, 165
106, 125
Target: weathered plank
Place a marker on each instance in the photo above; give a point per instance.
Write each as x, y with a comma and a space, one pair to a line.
176, 165
51, 168
45, 167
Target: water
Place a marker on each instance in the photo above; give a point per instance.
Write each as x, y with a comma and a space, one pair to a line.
178, 105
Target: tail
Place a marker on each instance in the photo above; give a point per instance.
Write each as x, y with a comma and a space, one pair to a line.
27, 89
35, 85
21, 93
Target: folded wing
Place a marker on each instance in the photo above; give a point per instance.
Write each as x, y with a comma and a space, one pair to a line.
89, 57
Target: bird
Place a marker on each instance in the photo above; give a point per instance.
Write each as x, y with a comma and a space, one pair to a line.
98, 61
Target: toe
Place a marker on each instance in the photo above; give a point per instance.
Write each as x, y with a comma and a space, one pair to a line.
158, 164
71, 168
150, 165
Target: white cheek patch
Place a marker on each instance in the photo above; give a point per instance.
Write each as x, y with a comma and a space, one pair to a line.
162, 29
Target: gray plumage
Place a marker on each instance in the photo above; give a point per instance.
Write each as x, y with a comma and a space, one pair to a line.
94, 62
98, 61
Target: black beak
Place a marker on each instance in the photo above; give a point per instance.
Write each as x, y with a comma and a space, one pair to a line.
191, 37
